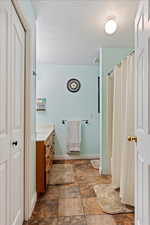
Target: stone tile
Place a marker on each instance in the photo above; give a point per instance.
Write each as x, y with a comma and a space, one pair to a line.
62, 161
87, 191
72, 220
124, 219
80, 161
91, 207
105, 179
45, 209
70, 210
93, 179
100, 220
70, 191
85, 180
70, 207
52, 193
86, 172
83, 166
61, 174
43, 221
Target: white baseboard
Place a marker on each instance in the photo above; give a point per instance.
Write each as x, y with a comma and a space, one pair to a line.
100, 170
33, 202
67, 157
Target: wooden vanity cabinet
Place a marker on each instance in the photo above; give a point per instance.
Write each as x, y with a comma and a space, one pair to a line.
44, 160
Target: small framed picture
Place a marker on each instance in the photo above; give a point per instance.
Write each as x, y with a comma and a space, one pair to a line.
41, 104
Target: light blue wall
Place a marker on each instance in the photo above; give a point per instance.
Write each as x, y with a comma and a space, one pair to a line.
62, 104
109, 58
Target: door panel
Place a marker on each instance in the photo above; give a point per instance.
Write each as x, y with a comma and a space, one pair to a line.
148, 81
140, 124
17, 129
140, 29
12, 44
142, 115
4, 111
140, 200
4, 216
16, 215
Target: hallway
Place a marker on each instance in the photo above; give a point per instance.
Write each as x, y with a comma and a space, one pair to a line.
76, 204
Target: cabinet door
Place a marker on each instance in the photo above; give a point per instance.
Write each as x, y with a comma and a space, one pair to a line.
4, 111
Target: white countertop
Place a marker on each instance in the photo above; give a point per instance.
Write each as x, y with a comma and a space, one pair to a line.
44, 132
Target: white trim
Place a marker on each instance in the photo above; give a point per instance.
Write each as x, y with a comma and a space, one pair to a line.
33, 202
29, 201
69, 157
100, 170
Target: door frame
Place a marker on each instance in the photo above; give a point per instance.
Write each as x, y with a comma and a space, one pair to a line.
29, 203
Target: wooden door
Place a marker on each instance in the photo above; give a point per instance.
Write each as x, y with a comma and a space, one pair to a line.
142, 115
5, 21
17, 120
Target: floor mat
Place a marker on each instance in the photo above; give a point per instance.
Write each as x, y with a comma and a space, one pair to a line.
61, 174
95, 163
109, 200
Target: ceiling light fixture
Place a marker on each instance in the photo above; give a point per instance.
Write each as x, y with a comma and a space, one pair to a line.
111, 26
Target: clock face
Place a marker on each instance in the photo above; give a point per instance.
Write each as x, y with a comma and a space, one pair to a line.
73, 85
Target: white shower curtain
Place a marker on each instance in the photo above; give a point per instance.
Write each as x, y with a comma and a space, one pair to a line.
127, 161
123, 125
116, 138
109, 117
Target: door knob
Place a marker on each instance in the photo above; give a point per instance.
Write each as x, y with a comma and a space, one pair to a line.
132, 138
15, 143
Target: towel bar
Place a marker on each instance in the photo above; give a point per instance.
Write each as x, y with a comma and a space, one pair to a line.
86, 121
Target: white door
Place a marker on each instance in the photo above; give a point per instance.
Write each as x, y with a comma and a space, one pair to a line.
17, 120
12, 45
4, 112
142, 115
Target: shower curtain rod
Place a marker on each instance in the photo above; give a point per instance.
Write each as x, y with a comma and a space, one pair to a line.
131, 53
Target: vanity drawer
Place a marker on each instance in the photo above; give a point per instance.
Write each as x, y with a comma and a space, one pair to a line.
50, 141
47, 177
47, 152
51, 164
47, 143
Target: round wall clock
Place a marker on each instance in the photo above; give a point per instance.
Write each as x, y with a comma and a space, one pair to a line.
73, 85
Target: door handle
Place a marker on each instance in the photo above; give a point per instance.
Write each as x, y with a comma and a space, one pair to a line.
15, 143
132, 138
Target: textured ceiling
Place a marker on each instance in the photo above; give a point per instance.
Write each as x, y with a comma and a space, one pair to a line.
72, 31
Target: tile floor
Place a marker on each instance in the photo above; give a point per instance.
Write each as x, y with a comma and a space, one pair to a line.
76, 204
